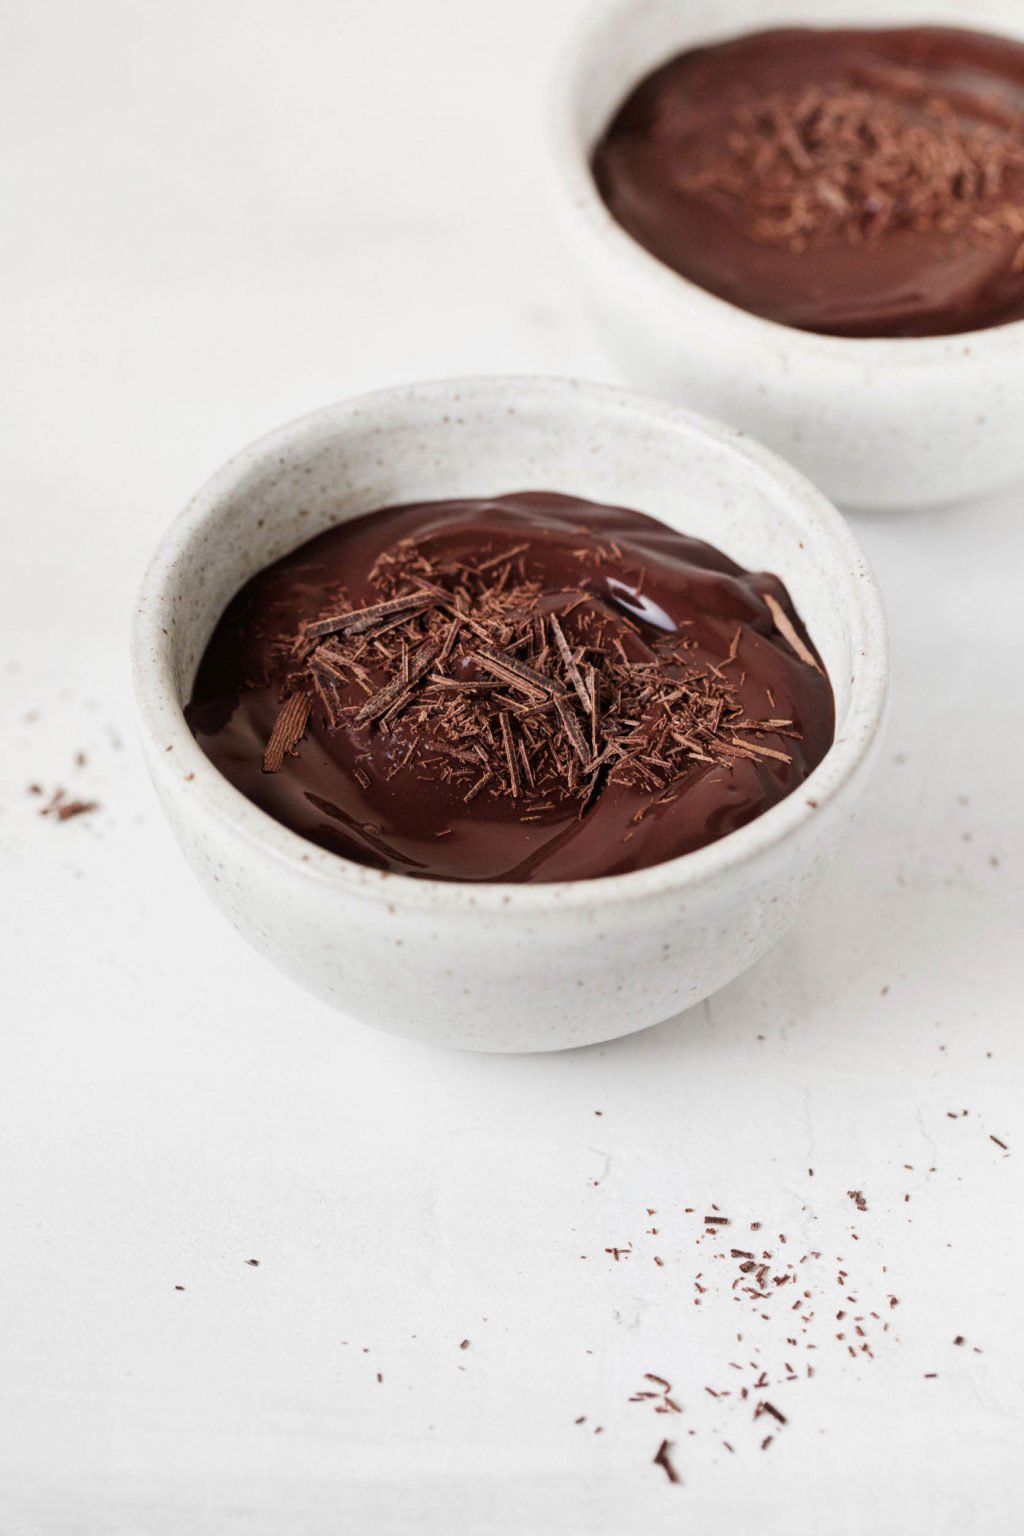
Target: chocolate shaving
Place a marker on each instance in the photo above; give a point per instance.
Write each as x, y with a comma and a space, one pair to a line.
513, 672
384, 701
572, 729
510, 754
289, 729
752, 746
568, 662
363, 619
785, 628
594, 708
485, 778
508, 554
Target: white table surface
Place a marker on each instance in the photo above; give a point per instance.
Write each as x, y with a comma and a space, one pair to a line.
217, 216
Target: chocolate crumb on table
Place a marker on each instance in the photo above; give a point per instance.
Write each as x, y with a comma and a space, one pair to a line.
61, 808
786, 1299
663, 1459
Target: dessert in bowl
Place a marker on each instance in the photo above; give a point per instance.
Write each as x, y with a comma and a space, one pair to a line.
810, 220
497, 769
522, 688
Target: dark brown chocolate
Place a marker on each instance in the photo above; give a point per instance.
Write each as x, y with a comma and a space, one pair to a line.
526, 688
850, 182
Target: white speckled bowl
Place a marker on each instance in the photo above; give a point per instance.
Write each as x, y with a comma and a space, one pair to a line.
876, 423
506, 967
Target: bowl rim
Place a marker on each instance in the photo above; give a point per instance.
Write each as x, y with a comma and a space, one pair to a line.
587, 215
176, 757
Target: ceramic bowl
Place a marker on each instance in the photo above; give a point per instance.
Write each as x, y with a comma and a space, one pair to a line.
493, 966
876, 423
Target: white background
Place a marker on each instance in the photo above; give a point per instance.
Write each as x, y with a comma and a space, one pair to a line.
215, 217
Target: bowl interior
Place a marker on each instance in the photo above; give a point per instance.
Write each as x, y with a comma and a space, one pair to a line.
627, 39
487, 437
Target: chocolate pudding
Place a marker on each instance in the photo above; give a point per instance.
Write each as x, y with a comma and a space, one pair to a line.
850, 182
529, 688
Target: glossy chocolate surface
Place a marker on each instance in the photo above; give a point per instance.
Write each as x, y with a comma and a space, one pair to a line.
620, 581
850, 182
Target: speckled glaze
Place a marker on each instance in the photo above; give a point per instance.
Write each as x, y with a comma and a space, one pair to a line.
878, 424
506, 967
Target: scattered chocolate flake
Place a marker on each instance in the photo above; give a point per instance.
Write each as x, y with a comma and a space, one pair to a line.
663, 1459
76, 808
254, 1262
568, 661
507, 554
784, 625
289, 728
363, 619
63, 809
510, 754
858, 1199
396, 693
998, 1142
464, 1344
